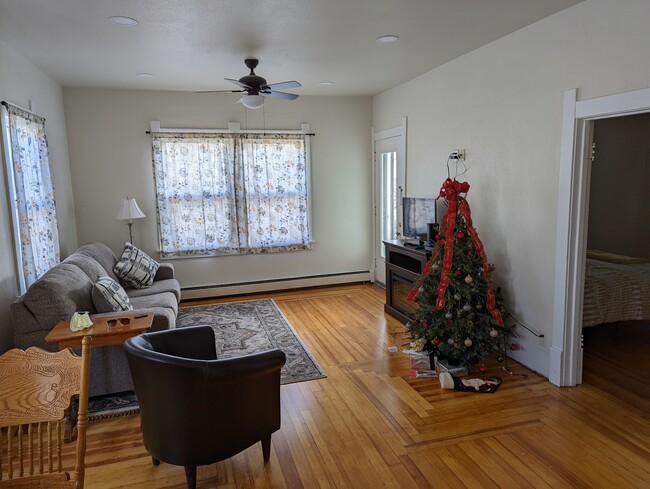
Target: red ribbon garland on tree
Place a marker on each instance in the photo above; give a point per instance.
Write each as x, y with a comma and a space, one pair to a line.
450, 191
478, 245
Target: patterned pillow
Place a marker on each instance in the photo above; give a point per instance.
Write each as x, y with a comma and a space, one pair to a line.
135, 268
109, 296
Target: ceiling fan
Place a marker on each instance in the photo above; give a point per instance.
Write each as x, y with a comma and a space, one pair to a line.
256, 88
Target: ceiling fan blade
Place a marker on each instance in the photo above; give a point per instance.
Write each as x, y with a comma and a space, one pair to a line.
220, 91
282, 85
237, 82
286, 96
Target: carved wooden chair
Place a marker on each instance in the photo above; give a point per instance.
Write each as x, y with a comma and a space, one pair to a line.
36, 387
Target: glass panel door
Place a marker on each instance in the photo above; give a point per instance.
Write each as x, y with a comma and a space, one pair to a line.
388, 189
388, 198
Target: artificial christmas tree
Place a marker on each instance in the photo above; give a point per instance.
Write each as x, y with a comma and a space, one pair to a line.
459, 316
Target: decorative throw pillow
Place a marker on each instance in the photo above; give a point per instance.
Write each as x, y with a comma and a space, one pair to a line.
109, 296
135, 268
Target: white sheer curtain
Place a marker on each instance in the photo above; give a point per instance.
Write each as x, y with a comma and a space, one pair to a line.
33, 194
231, 193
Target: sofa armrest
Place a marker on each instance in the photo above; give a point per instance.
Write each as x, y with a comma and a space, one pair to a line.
165, 271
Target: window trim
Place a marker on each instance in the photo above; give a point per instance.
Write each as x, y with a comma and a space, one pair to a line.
235, 128
11, 191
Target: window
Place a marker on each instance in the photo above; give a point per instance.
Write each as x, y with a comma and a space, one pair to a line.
388, 197
231, 193
31, 194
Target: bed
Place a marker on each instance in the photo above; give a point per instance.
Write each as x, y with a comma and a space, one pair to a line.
617, 288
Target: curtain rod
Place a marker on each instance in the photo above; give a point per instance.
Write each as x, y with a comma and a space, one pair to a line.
226, 131
7, 104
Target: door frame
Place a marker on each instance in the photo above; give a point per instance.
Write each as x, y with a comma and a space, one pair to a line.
394, 132
565, 368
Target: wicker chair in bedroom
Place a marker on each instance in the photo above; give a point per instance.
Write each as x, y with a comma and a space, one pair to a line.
36, 387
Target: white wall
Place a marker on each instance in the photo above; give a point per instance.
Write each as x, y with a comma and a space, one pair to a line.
503, 104
20, 82
619, 200
110, 157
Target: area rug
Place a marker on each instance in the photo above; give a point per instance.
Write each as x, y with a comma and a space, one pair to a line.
246, 327
241, 328
112, 406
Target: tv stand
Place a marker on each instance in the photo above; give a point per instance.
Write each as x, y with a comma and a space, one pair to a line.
404, 265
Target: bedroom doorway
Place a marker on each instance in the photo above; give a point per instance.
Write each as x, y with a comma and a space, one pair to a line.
617, 273
576, 152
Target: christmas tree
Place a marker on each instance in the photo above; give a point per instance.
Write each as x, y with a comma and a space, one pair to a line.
459, 316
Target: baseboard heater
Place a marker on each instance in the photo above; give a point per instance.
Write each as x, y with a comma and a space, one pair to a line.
206, 291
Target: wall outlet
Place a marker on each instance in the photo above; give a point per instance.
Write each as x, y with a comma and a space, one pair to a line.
458, 154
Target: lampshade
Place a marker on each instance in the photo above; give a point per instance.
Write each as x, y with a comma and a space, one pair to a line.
253, 101
129, 210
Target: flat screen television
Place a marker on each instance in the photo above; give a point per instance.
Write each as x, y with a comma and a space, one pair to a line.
418, 212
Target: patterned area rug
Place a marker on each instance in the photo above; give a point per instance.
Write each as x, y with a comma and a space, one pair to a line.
112, 406
240, 328
247, 327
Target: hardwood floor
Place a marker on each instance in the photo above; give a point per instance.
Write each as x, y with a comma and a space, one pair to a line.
369, 424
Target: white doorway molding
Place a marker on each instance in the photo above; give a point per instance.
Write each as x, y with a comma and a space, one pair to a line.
565, 367
391, 140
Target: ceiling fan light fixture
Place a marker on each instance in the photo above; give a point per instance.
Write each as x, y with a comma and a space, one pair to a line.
253, 101
387, 39
123, 21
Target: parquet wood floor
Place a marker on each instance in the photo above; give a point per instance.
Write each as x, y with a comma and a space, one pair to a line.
369, 424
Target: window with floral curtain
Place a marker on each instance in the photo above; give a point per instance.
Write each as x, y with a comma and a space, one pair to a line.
32, 194
231, 193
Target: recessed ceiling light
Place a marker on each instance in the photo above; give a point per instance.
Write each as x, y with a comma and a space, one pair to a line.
145, 75
387, 39
326, 83
121, 20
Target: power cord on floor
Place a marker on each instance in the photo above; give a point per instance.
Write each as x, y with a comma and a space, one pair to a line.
520, 323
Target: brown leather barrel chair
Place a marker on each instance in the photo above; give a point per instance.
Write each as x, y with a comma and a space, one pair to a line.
196, 409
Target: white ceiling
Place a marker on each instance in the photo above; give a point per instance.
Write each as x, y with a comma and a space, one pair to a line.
194, 44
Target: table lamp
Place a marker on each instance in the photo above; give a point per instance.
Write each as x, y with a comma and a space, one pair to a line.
129, 210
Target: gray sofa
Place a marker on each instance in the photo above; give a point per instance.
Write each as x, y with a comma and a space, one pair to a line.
67, 288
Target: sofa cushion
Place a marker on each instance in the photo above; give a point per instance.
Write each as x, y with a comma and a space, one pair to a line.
158, 287
165, 271
165, 300
135, 268
91, 267
108, 295
58, 294
103, 255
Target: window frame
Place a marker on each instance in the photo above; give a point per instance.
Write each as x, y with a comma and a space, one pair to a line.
11, 191
235, 128
10, 178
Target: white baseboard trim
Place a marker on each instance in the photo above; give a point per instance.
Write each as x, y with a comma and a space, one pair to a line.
556, 367
532, 356
207, 291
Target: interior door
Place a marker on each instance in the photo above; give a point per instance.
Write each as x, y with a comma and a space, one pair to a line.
389, 182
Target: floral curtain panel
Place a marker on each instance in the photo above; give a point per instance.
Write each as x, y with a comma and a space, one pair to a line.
35, 206
230, 193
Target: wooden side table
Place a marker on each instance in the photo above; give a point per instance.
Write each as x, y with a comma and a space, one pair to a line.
102, 335
101, 332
